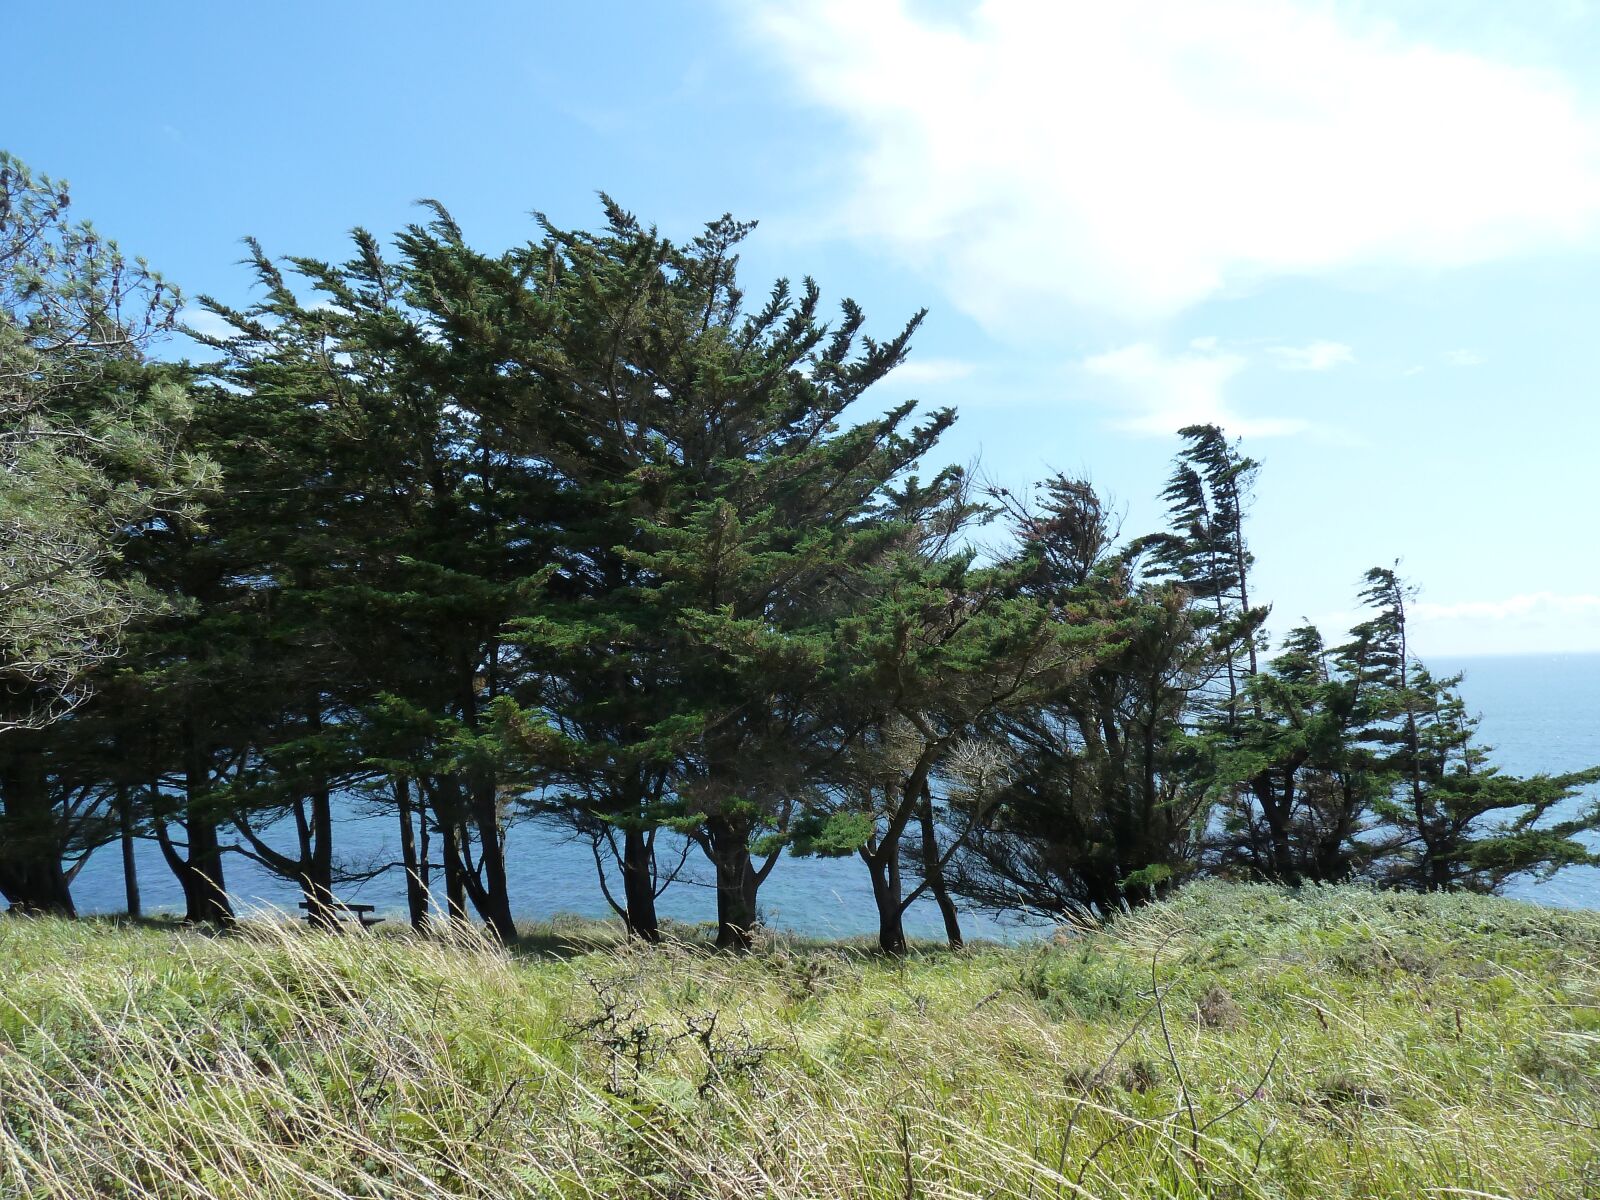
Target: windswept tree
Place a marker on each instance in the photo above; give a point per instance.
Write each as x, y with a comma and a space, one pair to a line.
940, 653
90, 452
713, 494
1449, 818
754, 494
1099, 809
1296, 778
1249, 739
1206, 552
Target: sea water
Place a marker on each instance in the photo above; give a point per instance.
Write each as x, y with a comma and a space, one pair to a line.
1540, 713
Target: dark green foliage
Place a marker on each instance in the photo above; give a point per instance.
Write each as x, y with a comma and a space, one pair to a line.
1099, 809
90, 453
1297, 781
575, 481
1205, 551
1360, 762
940, 652
1448, 818
570, 533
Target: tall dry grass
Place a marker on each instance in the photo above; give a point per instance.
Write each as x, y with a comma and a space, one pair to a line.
1237, 1042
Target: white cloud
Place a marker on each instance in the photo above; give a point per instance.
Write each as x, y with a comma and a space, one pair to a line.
206, 322
1164, 392
1513, 608
1529, 623
932, 370
1314, 356
1463, 358
1040, 158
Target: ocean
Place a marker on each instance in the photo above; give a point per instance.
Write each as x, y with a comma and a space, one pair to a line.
1539, 712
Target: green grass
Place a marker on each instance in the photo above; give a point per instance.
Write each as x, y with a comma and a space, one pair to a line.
1332, 1043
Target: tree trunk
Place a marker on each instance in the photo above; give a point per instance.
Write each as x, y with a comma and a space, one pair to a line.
444, 798
415, 865
31, 878
424, 859
205, 898
882, 857
455, 872
315, 869
130, 865
484, 882
1438, 870
1104, 892
475, 798
736, 902
37, 888
493, 898
205, 891
727, 845
639, 886
933, 872
316, 858
1276, 815
883, 864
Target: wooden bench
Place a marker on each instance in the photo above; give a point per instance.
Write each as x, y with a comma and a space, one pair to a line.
361, 912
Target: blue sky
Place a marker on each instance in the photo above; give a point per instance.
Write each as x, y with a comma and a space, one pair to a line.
1363, 236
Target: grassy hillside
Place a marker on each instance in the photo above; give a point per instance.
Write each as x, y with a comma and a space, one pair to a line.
1336, 1043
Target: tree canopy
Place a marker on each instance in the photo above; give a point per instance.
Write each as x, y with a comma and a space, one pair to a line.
573, 534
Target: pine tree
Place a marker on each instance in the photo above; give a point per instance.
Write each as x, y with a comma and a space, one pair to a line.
1297, 780
1099, 811
1450, 819
90, 451
1206, 551
941, 655
762, 502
